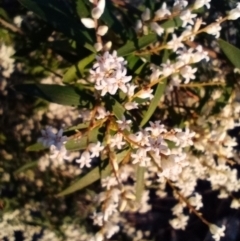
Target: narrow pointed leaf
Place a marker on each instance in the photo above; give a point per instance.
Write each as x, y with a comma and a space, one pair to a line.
36, 147
232, 52
25, 167
154, 102
92, 176
64, 95
77, 71
140, 182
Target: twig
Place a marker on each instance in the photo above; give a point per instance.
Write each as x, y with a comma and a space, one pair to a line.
10, 26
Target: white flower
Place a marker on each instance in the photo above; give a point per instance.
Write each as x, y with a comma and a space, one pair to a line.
6, 62
141, 157
111, 229
117, 141
146, 15
102, 30
199, 55
235, 203
180, 4
97, 218
109, 74
131, 105
156, 128
163, 11
234, 13
187, 18
196, 201
88, 22
124, 124
200, 3
217, 231
18, 21
157, 28
98, 10
130, 89
145, 93
95, 149
167, 68
85, 159
138, 25
175, 43
214, 29
187, 73
109, 182
180, 222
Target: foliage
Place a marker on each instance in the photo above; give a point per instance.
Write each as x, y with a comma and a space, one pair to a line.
110, 109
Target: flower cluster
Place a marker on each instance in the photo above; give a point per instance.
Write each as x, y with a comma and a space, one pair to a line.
163, 132
109, 74
55, 141
6, 60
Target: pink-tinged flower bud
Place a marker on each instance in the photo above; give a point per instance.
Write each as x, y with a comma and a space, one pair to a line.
98, 46
98, 10
108, 45
88, 22
102, 30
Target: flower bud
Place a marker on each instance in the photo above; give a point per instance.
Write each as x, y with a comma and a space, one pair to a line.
88, 22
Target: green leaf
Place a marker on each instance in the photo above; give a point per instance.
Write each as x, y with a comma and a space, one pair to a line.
76, 71
140, 182
60, 16
4, 14
25, 167
144, 41
82, 9
132, 46
78, 127
232, 52
36, 147
92, 176
64, 95
82, 143
114, 106
154, 102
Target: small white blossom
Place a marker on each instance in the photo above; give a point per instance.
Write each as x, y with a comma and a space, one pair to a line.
95, 149
124, 124
145, 93
200, 3
146, 15
180, 222
131, 105
187, 72
216, 231
157, 28
175, 43
187, 18
234, 13
84, 160
163, 11
141, 157
214, 29
97, 219
117, 141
